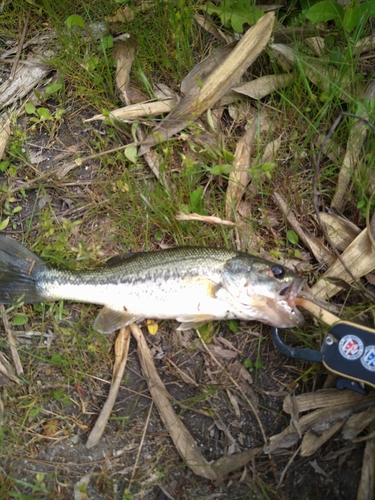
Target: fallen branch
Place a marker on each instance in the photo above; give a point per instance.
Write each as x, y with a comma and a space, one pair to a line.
122, 345
181, 437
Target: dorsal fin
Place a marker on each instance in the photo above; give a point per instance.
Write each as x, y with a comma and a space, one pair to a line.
119, 259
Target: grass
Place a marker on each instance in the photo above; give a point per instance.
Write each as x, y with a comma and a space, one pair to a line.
113, 205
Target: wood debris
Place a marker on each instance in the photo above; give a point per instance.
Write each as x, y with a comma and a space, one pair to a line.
359, 257
221, 79
28, 75
181, 437
121, 356
328, 412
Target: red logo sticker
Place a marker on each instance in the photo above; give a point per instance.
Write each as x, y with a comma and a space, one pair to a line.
351, 347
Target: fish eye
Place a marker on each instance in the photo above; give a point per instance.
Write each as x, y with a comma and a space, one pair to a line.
278, 271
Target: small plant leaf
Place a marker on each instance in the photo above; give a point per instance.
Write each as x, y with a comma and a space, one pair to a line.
196, 201
106, 42
351, 17
4, 165
59, 113
4, 223
233, 325
20, 320
235, 13
292, 237
131, 153
44, 113
325, 11
53, 88
221, 169
57, 360
75, 20
30, 108
92, 64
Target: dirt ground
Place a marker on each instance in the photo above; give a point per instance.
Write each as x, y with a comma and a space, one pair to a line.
333, 473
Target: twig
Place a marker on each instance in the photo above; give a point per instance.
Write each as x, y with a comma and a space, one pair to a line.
101, 423
12, 342
20, 47
127, 490
287, 467
210, 219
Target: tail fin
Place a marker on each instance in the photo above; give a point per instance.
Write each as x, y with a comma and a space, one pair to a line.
19, 273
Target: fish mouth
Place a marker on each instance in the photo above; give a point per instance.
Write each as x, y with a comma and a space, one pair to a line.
287, 298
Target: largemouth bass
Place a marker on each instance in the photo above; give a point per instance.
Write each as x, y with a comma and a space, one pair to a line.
191, 285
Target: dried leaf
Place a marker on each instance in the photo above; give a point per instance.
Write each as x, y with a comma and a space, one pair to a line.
328, 79
366, 490
139, 110
7, 375
219, 352
29, 73
240, 176
80, 486
184, 442
124, 53
162, 91
122, 347
357, 423
188, 378
4, 135
359, 257
364, 45
318, 420
316, 44
127, 14
234, 403
284, 55
271, 150
325, 398
225, 465
340, 230
192, 83
291, 403
313, 440
217, 83
265, 85
234, 447
314, 464
206, 23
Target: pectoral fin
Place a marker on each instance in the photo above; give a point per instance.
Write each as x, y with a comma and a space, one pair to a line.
193, 320
109, 320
